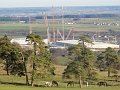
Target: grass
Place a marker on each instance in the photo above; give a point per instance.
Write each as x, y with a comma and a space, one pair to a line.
14, 87
11, 79
42, 27
63, 60
14, 30
18, 83
18, 26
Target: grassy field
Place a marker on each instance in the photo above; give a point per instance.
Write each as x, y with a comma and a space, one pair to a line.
14, 87
18, 29
42, 27
11, 82
11, 79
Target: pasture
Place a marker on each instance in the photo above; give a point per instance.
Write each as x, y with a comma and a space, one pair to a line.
13, 29
17, 80
14, 87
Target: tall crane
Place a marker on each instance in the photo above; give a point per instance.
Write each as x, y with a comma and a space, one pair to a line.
115, 39
69, 33
47, 26
53, 24
114, 35
58, 32
30, 29
63, 22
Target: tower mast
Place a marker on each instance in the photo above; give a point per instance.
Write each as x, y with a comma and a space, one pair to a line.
53, 24
30, 25
47, 26
63, 22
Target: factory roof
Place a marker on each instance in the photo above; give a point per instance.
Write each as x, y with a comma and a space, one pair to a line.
94, 45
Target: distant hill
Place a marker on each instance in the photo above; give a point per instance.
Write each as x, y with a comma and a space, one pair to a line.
69, 10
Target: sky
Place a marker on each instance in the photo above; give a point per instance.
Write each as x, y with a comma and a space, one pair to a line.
47, 3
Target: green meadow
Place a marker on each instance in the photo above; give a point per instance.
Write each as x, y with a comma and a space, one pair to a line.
14, 87
86, 23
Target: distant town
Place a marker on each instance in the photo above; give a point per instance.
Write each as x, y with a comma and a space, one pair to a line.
73, 10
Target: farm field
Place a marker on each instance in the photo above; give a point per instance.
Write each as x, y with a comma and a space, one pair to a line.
16, 80
14, 87
13, 29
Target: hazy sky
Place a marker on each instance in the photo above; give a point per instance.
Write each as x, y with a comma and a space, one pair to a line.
44, 3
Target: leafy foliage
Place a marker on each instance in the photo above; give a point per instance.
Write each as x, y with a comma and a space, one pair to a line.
16, 58
9, 53
41, 61
108, 60
83, 64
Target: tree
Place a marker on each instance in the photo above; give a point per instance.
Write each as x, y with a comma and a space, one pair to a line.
41, 61
15, 61
16, 65
108, 60
20, 65
25, 56
83, 63
5, 49
118, 53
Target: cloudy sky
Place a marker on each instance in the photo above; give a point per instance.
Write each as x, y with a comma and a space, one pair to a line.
45, 3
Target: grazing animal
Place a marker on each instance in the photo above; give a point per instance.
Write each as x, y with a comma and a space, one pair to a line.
48, 84
85, 83
54, 83
71, 83
102, 84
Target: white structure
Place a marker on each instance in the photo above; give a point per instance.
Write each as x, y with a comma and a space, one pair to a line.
23, 42
68, 43
95, 45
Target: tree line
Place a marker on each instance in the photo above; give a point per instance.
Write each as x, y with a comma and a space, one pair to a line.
83, 65
14, 18
16, 59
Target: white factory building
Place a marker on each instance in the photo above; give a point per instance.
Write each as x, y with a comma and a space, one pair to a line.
94, 46
67, 43
24, 43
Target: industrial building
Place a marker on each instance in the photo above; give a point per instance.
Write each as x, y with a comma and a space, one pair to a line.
24, 43
95, 46
67, 43
64, 42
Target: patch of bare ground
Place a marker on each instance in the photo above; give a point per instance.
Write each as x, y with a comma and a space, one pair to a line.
90, 29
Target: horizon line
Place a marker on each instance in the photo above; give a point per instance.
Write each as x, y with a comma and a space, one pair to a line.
58, 6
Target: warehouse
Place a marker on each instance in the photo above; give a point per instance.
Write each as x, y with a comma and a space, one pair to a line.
68, 43
94, 46
24, 43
